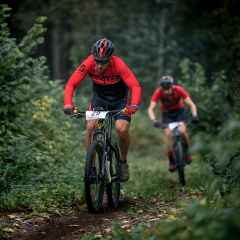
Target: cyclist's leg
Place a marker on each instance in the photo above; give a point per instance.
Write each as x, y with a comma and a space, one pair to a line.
122, 127
183, 130
122, 124
92, 124
168, 139
91, 127
181, 117
169, 147
168, 118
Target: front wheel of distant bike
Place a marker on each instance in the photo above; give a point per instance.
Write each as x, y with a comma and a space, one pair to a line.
113, 188
179, 158
93, 179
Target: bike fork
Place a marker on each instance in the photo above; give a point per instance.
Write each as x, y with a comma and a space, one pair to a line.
107, 166
106, 173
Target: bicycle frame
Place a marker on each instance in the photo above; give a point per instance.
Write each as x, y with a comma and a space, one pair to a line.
102, 161
179, 150
104, 136
107, 141
177, 136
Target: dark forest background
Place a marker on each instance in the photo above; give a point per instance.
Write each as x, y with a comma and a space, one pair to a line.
151, 36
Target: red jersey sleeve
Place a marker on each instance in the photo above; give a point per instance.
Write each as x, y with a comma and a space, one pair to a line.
129, 79
156, 96
182, 92
76, 78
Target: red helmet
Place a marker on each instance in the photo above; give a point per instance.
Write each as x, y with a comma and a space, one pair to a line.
102, 50
166, 82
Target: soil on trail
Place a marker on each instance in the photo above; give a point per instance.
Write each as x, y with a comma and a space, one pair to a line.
78, 223
69, 226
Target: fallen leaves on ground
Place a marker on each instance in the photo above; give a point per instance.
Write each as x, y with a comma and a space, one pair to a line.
127, 217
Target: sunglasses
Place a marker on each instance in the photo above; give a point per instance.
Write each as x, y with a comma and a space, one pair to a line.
165, 89
102, 62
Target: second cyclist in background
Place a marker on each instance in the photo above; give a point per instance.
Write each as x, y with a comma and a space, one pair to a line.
112, 82
172, 109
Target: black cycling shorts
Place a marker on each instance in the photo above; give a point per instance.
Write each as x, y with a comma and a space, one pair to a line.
176, 116
116, 105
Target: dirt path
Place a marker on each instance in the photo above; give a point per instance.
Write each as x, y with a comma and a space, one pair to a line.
79, 223
69, 225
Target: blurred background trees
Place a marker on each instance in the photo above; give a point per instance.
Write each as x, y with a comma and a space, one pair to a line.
152, 36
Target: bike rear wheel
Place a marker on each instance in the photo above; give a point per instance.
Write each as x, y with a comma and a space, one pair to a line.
94, 182
179, 158
113, 188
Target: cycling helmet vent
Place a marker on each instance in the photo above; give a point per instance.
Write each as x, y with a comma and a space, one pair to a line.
102, 50
166, 82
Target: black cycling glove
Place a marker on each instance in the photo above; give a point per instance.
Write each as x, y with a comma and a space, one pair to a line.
195, 119
157, 124
68, 109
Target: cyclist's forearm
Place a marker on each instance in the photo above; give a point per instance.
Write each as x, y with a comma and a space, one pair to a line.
151, 113
193, 109
191, 105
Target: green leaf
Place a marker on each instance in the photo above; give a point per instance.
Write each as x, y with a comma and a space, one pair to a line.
40, 40
41, 19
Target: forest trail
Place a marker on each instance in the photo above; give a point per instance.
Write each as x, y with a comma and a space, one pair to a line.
79, 223
73, 224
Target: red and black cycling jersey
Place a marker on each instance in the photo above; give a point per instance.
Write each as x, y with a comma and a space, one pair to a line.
174, 102
112, 86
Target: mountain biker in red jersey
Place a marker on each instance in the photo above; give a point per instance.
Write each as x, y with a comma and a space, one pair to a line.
172, 109
112, 82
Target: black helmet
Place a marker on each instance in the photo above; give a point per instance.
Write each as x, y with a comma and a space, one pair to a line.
166, 82
102, 50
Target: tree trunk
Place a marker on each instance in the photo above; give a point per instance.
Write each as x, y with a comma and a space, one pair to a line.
161, 41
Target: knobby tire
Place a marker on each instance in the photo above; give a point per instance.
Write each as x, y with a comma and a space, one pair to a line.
179, 155
94, 182
113, 188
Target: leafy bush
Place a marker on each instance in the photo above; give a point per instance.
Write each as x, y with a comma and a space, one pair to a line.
210, 96
38, 146
19, 75
200, 221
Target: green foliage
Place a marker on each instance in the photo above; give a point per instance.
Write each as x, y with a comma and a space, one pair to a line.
210, 97
19, 74
222, 154
200, 222
38, 147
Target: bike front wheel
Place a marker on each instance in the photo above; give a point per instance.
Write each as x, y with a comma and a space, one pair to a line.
113, 188
93, 179
179, 158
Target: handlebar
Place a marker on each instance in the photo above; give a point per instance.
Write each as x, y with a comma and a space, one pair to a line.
82, 113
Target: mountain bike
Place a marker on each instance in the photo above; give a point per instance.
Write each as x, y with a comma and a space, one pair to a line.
179, 150
102, 161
